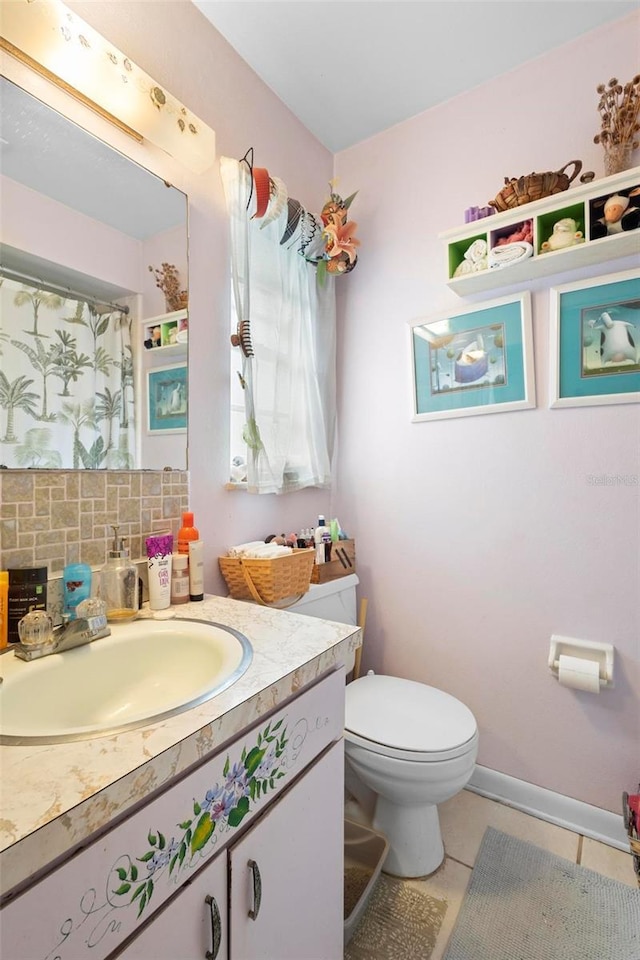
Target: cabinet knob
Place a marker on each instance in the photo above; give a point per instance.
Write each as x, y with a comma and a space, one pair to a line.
257, 889
216, 928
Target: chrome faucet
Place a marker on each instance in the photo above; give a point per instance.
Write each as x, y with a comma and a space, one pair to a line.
39, 638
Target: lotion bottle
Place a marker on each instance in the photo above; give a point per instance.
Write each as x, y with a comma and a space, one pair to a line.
319, 539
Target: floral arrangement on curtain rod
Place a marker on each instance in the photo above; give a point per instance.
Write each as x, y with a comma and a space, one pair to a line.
328, 241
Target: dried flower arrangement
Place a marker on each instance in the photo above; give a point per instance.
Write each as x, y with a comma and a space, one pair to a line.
619, 107
168, 280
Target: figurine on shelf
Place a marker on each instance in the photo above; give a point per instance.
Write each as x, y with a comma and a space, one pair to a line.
565, 234
621, 212
475, 259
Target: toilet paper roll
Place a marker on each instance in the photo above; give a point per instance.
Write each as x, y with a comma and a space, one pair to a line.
579, 674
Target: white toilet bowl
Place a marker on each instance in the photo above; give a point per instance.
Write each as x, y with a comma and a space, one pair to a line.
408, 747
414, 746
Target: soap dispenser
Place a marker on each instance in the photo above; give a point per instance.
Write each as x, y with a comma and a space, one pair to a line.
119, 583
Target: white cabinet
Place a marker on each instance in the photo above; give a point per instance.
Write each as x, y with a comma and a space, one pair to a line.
193, 926
137, 874
583, 205
284, 885
292, 856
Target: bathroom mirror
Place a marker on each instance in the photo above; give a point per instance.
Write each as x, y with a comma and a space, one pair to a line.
82, 226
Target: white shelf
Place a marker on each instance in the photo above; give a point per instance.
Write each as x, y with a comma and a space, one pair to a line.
167, 322
542, 263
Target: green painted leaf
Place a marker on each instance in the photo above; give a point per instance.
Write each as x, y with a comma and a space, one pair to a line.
252, 788
202, 832
174, 860
122, 873
278, 724
347, 203
259, 740
146, 857
185, 825
225, 769
243, 754
182, 852
196, 808
122, 889
253, 761
137, 892
152, 839
134, 872
239, 812
143, 900
187, 836
161, 841
149, 888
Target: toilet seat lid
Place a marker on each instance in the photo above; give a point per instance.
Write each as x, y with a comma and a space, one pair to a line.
407, 715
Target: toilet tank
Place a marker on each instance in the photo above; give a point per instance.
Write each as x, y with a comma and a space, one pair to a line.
335, 600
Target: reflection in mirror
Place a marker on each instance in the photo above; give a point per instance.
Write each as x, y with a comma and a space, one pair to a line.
88, 236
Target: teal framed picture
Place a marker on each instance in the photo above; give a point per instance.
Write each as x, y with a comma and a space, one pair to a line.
474, 361
595, 341
167, 399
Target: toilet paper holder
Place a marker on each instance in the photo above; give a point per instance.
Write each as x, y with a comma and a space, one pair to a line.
602, 653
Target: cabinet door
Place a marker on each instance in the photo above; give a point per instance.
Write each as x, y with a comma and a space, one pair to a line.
194, 924
286, 872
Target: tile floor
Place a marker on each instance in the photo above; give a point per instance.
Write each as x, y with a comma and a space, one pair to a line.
464, 820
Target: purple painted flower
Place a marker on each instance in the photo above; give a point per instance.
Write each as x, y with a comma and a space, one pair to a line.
211, 796
265, 769
161, 857
222, 806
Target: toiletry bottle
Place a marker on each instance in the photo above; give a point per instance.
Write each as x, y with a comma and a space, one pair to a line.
27, 591
76, 586
318, 538
187, 533
196, 570
159, 563
119, 583
4, 609
180, 578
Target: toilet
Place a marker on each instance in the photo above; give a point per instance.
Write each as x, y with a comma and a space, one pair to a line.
408, 747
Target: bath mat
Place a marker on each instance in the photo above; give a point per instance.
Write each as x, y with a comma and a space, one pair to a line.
399, 923
526, 903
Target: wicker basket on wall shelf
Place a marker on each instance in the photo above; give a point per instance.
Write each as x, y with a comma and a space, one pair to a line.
534, 186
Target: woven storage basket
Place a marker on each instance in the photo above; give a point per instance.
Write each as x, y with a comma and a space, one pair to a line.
268, 581
535, 186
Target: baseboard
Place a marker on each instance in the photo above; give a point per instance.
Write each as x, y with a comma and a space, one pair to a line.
572, 814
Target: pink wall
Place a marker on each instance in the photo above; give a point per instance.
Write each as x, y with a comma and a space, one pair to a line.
179, 48
49, 229
480, 537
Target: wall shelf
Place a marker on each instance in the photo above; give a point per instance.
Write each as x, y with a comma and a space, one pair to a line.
582, 204
172, 330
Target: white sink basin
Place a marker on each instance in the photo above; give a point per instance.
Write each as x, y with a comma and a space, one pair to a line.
145, 671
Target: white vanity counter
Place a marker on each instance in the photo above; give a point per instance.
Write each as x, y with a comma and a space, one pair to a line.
53, 797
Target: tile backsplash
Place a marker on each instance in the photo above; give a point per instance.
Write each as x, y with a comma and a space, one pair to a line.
54, 517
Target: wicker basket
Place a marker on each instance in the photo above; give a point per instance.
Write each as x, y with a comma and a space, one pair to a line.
269, 581
535, 186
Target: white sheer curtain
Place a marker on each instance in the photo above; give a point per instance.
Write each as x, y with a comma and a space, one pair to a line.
289, 383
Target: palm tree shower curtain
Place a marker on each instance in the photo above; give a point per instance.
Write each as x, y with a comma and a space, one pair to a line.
66, 382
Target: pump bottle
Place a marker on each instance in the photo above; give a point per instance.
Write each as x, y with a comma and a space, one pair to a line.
119, 583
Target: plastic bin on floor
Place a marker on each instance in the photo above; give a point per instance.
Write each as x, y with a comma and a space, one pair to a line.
365, 851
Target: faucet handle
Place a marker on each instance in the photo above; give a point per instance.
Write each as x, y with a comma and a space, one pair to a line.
36, 629
91, 607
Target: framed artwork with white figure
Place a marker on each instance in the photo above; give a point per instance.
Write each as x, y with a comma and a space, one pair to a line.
167, 398
474, 360
595, 341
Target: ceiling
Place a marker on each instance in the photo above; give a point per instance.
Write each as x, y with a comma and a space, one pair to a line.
351, 68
